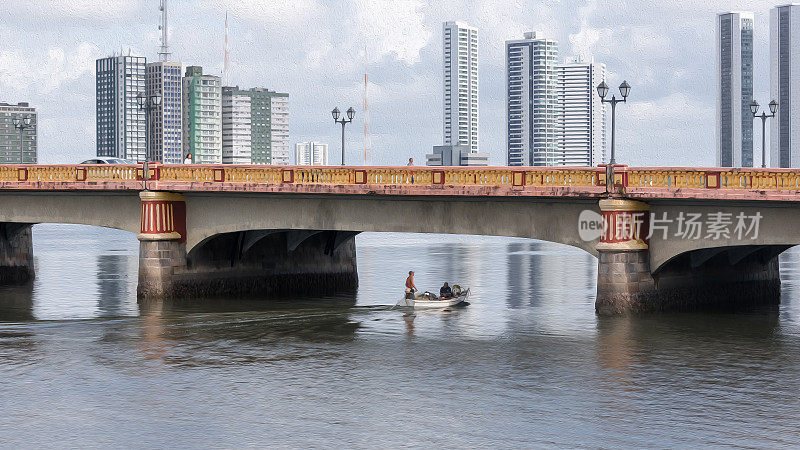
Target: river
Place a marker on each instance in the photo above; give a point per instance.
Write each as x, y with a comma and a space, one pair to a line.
526, 364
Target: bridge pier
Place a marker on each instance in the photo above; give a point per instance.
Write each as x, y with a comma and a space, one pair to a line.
162, 244
264, 263
16, 254
737, 277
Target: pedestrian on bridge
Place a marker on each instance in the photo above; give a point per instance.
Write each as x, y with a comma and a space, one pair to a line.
188, 159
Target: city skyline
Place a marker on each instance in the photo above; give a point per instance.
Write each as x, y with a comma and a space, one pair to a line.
403, 72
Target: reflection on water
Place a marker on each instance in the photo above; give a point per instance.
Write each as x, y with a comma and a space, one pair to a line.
16, 303
526, 364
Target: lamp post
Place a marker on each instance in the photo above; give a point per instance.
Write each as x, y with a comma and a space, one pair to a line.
148, 104
602, 91
350, 113
773, 108
22, 125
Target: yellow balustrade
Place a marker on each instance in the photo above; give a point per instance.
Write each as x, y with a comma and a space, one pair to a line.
674, 178
108, 173
51, 173
251, 175
189, 173
8, 173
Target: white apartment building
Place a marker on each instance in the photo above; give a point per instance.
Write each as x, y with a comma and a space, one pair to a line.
734, 63
532, 101
121, 124
460, 44
311, 154
236, 127
279, 128
784, 55
581, 115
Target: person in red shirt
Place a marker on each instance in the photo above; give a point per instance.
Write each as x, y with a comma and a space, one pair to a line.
410, 287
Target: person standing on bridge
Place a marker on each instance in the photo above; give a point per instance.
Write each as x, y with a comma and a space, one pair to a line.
410, 287
188, 159
411, 163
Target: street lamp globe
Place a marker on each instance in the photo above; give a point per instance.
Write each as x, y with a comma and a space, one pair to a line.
16, 121
335, 113
773, 107
156, 99
351, 113
141, 99
26, 121
602, 89
754, 107
624, 89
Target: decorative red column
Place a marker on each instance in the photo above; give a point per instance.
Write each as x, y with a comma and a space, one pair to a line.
624, 282
162, 244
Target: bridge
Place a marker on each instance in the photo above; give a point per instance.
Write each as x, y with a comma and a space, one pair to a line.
665, 238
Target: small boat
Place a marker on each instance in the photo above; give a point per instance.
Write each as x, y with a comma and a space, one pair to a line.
428, 300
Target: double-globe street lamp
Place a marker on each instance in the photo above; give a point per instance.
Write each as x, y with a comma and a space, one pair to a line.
602, 91
773, 108
22, 124
147, 103
350, 114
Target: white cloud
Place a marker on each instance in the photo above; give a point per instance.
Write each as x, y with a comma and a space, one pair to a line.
391, 27
46, 73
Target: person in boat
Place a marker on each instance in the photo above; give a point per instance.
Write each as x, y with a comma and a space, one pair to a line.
445, 292
410, 287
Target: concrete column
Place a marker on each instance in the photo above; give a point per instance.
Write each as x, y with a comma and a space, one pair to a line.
624, 282
727, 278
16, 254
162, 244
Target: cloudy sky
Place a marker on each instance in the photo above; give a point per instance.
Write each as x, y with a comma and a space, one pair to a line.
318, 52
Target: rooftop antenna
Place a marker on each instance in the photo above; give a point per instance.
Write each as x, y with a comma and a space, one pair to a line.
367, 139
226, 68
164, 53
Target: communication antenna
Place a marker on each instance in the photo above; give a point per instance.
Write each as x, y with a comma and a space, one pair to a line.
164, 53
367, 140
226, 68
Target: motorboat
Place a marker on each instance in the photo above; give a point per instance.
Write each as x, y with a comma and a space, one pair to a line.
429, 300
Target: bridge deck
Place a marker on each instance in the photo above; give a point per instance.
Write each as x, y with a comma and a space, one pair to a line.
584, 182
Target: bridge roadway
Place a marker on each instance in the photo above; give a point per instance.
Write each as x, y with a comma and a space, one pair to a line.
273, 230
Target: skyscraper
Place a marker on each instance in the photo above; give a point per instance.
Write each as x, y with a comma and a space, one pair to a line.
581, 116
532, 101
311, 154
202, 116
236, 126
734, 89
784, 55
18, 147
460, 85
166, 121
121, 126
255, 126
279, 128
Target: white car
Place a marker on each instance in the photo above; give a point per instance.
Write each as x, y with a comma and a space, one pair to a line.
104, 160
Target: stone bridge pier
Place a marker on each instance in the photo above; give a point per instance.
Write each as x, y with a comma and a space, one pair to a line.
273, 263
16, 253
713, 278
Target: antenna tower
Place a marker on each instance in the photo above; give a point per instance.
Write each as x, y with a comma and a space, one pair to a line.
367, 139
164, 53
226, 68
